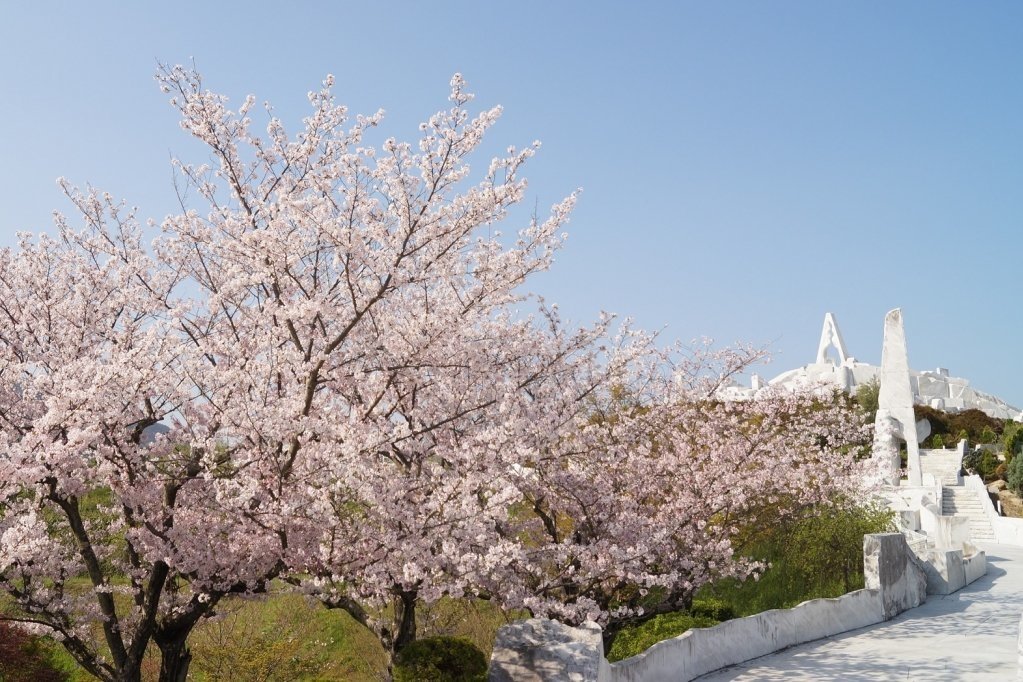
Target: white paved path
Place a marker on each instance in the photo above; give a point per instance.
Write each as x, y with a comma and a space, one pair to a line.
969, 635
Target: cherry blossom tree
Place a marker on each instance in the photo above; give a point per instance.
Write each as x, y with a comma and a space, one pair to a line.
331, 375
336, 345
642, 507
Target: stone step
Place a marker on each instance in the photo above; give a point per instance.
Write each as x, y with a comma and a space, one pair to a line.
962, 502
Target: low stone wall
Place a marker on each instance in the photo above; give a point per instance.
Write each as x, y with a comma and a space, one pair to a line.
895, 579
944, 531
703, 650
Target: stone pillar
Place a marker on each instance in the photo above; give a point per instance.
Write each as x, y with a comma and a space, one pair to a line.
895, 401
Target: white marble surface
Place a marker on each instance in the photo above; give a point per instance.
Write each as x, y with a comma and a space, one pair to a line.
969, 635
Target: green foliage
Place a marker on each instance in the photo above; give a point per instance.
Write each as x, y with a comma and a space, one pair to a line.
939, 421
829, 545
974, 422
283, 638
713, 608
635, 639
971, 461
474, 619
982, 462
819, 553
440, 658
866, 397
1012, 439
937, 441
1015, 475
973, 425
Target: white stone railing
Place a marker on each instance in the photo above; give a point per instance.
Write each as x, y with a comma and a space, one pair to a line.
917, 542
1008, 531
539, 650
944, 531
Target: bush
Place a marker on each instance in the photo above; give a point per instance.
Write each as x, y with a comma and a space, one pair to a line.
1012, 439
817, 553
1015, 475
824, 553
635, 639
440, 658
713, 608
866, 397
988, 465
973, 462
937, 441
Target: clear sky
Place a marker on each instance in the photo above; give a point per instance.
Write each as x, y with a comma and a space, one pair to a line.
746, 166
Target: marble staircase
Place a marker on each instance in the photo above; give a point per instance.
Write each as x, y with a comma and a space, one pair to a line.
944, 465
957, 500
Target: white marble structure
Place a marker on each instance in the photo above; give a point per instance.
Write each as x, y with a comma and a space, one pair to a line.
932, 387
895, 418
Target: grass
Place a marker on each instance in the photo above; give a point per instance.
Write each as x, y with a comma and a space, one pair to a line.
290, 638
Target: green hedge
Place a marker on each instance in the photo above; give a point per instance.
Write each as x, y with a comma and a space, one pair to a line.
635, 639
440, 658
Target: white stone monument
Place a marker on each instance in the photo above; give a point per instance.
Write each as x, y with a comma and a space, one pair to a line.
831, 338
895, 418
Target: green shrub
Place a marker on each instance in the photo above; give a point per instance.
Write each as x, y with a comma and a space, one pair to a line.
971, 461
440, 658
823, 553
1015, 475
988, 465
866, 397
937, 441
818, 553
635, 639
713, 608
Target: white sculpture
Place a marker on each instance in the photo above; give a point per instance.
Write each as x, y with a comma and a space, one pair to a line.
895, 419
831, 338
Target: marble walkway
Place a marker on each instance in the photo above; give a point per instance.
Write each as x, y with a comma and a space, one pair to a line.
969, 635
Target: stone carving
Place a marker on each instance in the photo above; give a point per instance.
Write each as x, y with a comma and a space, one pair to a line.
895, 420
831, 338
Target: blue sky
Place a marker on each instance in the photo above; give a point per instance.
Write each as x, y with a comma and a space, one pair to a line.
746, 166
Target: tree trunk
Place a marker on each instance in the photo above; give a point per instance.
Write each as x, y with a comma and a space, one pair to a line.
404, 620
174, 656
